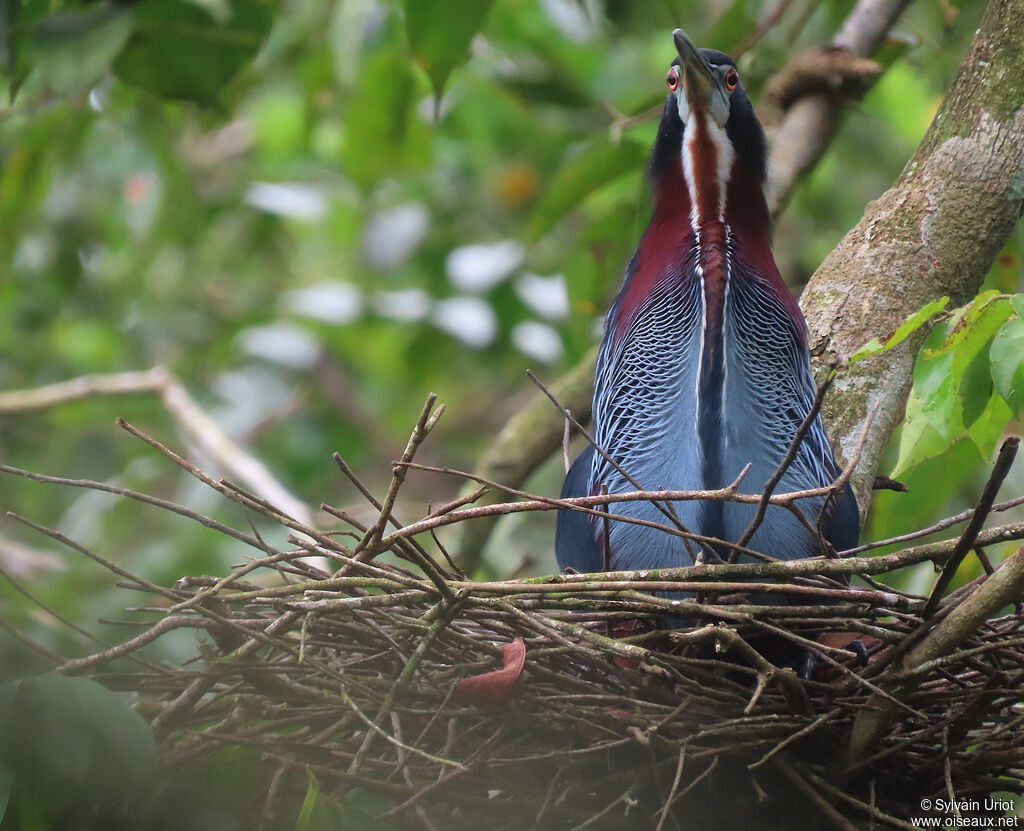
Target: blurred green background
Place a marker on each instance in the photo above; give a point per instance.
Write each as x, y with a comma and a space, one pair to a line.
267, 199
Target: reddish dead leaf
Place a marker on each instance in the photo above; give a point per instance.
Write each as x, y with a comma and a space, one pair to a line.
493, 688
625, 629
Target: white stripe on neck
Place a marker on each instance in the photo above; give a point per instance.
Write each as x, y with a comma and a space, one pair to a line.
723, 162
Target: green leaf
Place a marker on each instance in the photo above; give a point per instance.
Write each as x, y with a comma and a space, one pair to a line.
180, 50
384, 133
933, 384
973, 326
975, 386
440, 32
933, 417
918, 440
562, 90
987, 429
72, 49
313, 816
596, 165
1007, 360
902, 332
951, 390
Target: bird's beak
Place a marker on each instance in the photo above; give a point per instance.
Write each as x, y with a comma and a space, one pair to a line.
697, 79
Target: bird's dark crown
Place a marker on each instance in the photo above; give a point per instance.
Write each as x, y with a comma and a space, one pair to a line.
742, 128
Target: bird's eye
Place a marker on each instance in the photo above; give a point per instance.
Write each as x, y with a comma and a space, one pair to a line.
672, 79
732, 79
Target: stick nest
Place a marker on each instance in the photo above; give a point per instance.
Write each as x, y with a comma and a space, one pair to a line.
351, 669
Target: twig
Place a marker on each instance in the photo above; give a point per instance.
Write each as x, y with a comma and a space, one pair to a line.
380, 731
257, 504
138, 497
606, 538
369, 546
822, 804
867, 808
760, 30
810, 123
799, 734
32, 644
53, 534
409, 547
444, 614
1003, 587
625, 797
942, 525
706, 773
206, 433
988, 496
672, 791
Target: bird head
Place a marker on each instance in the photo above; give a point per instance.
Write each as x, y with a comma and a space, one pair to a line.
705, 89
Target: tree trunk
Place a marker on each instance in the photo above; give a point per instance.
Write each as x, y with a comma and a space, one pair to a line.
935, 232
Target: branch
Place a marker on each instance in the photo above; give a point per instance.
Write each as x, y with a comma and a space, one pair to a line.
525, 442
780, 471
222, 450
799, 142
988, 496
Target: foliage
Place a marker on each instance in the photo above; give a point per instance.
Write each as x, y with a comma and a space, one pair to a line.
912, 324
63, 741
967, 380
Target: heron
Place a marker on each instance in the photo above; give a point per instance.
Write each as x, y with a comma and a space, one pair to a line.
704, 368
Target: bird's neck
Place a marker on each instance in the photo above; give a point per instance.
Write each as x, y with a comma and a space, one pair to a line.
694, 226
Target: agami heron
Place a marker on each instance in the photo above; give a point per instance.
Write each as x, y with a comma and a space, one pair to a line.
704, 367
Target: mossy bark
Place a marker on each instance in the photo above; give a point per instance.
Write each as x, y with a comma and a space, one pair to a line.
935, 232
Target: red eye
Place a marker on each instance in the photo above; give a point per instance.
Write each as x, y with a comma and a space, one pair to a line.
672, 79
732, 79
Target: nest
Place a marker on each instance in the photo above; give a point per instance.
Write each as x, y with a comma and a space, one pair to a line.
541, 703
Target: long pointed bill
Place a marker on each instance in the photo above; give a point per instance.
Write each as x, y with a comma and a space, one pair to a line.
697, 80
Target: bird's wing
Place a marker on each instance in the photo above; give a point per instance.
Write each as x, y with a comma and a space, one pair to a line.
575, 542
770, 391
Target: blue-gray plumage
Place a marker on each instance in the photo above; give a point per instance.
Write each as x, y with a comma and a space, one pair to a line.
704, 367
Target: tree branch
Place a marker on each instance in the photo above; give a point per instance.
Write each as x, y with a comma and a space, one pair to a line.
988, 496
810, 124
204, 432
